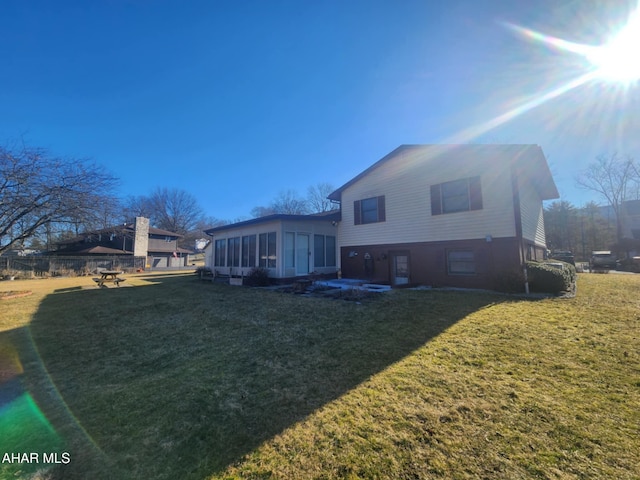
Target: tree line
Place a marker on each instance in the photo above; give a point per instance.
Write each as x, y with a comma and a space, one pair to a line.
580, 230
615, 179
45, 198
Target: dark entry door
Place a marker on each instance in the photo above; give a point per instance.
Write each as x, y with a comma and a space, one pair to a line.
400, 269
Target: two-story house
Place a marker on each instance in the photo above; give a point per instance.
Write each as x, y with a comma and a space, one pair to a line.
451, 215
160, 247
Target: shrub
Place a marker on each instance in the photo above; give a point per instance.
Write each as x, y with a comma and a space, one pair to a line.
257, 277
511, 281
549, 279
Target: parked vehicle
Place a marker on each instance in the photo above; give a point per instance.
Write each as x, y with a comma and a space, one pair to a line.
603, 260
630, 264
563, 256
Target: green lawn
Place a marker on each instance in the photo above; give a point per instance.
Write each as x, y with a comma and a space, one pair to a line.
174, 378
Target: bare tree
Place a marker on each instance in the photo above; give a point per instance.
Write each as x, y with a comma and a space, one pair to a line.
287, 202
174, 210
137, 206
317, 197
261, 211
38, 190
612, 177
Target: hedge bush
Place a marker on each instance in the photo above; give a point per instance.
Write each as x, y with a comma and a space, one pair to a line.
257, 277
511, 281
549, 279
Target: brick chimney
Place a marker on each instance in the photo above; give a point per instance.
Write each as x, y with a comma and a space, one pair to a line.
141, 237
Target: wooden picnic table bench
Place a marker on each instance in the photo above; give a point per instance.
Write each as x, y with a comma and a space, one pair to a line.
109, 276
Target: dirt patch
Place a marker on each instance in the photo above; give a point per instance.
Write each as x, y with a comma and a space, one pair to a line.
312, 290
14, 294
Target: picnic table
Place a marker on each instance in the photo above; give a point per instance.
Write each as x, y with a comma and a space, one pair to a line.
109, 276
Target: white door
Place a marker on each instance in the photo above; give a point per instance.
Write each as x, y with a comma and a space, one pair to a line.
302, 254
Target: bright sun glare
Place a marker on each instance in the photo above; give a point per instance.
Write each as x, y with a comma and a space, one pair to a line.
617, 61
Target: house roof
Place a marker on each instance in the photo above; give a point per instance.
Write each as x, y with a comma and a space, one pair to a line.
333, 215
529, 157
170, 250
96, 250
130, 227
126, 228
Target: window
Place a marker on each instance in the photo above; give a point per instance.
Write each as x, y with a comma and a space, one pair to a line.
461, 262
331, 251
369, 210
318, 251
249, 251
220, 253
168, 239
457, 196
233, 252
289, 249
324, 251
267, 249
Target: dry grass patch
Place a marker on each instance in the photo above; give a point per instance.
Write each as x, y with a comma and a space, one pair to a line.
518, 389
185, 379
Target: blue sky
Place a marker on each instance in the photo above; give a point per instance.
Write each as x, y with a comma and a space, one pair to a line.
235, 101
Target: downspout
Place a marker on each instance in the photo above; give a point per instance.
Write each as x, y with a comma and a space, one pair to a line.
518, 224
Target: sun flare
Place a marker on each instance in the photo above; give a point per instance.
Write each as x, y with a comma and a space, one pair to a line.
619, 60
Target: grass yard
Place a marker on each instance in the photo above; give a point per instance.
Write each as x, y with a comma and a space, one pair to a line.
173, 378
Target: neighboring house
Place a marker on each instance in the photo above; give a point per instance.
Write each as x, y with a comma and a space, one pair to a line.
160, 247
288, 246
451, 215
631, 219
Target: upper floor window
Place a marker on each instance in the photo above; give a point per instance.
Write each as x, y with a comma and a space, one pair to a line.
369, 210
457, 196
168, 239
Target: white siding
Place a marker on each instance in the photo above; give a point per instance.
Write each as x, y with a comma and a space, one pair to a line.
405, 182
310, 228
251, 229
531, 211
280, 227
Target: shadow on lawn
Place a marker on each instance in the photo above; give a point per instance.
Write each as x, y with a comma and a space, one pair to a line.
181, 378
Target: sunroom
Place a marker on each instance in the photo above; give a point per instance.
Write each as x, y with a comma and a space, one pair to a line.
288, 246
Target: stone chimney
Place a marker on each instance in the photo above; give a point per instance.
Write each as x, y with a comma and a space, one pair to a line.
141, 237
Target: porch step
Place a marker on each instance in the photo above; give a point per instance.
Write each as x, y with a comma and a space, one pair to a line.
349, 284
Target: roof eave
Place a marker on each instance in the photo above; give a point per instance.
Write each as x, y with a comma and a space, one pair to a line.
324, 217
